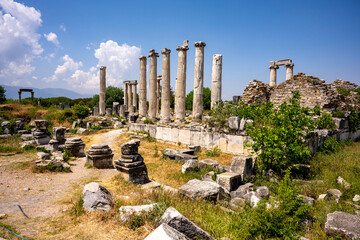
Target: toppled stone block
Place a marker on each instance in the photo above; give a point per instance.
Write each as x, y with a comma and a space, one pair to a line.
26, 137
345, 224
197, 189
190, 166
333, 195
209, 163
186, 151
262, 192
164, 231
242, 190
183, 225
195, 148
308, 200
43, 156
209, 177
4, 124
76, 146
126, 212
229, 180
100, 156
242, 165
42, 125
341, 123
130, 148
170, 153
184, 157
96, 197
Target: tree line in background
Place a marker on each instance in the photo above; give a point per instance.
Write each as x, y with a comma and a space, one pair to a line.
113, 94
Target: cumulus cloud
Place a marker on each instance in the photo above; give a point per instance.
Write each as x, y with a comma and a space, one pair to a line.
65, 70
19, 41
52, 37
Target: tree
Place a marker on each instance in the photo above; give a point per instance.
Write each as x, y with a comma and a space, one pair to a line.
206, 99
81, 110
2, 94
113, 94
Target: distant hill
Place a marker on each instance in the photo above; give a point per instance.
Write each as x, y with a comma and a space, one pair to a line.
12, 92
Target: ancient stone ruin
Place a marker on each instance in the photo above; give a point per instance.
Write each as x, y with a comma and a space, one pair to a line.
42, 135
100, 156
76, 146
131, 164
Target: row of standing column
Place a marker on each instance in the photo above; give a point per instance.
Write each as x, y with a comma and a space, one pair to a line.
130, 96
180, 88
274, 67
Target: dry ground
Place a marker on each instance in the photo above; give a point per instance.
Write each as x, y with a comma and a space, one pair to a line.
51, 200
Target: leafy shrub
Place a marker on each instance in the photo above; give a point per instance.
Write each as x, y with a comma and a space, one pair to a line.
213, 152
148, 121
339, 114
81, 111
343, 91
331, 146
317, 110
354, 120
67, 155
278, 135
325, 122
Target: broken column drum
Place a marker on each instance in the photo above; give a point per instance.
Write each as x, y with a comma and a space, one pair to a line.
100, 156
102, 90
142, 87
42, 135
58, 138
216, 79
152, 83
76, 146
198, 81
131, 164
165, 87
180, 88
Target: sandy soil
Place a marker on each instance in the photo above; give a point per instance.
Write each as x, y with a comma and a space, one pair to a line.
43, 200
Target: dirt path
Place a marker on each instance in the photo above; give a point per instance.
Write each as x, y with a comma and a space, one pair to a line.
46, 189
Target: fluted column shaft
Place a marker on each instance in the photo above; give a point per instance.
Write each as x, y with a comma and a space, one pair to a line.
152, 83
102, 90
180, 88
198, 107
142, 87
216, 83
165, 86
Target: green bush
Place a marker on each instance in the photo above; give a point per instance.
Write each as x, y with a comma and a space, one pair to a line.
206, 99
343, 91
81, 111
317, 110
354, 120
331, 146
2, 94
339, 114
148, 121
213, 152
325, 122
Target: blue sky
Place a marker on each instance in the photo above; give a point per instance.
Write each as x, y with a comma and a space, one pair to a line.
62, 43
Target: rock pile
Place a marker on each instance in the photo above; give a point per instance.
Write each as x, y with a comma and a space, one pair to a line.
76, 146
131, 164
100, 156
46, 161
42, 135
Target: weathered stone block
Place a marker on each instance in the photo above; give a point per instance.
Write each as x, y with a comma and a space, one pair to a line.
345, 224
190, 166
229, 180
197, 189
234, 123
96, 197
242, 165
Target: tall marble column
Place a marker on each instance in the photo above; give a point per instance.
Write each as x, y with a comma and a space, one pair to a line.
180, 88
102, 90
289, 70
198, 107
216, 74
130, 103
126, 93
152, 83
165, 86
142, 87
273, 75
134, 101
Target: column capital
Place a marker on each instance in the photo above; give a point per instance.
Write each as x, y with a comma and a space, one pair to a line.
102, 68
184, 47
289, 65
165, 51
134, 82
152, 53
274, 67
199, 44
159, 78
142, 57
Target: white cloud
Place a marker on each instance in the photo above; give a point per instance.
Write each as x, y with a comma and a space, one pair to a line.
62, 27
19, 41
34, 77
52, 37
65, 70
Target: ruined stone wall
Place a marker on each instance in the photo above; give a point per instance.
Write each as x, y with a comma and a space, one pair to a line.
256, 92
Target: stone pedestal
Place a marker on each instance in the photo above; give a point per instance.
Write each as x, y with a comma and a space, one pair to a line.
116, 108
180, 88
165, 88
131, 164
216, 79
100, 156
76, 146
108, 112
42, 135
273, 75
122, 111
289, 71
198, 107
59, 134
102, 90
152, 83
142, 87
